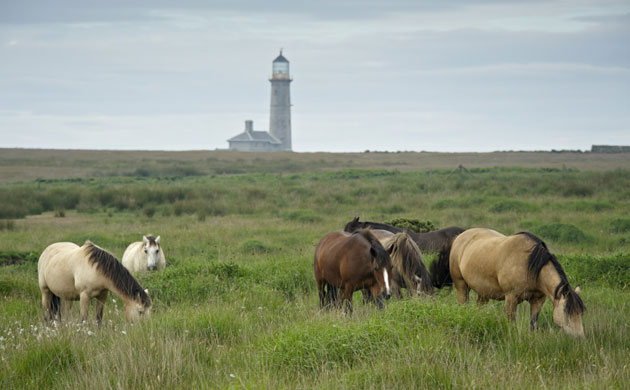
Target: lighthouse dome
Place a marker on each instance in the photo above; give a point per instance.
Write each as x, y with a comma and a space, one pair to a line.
280, 67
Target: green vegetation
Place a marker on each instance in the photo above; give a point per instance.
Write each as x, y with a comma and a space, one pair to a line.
237, 306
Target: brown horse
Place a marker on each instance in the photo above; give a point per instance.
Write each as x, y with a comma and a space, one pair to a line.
351, 262
435, 241
515, 268
73, 273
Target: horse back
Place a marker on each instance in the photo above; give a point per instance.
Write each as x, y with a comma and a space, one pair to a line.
490, 262
340, 256
134, 256
58, 268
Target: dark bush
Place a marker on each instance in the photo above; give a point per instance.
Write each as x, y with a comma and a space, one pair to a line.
412, 224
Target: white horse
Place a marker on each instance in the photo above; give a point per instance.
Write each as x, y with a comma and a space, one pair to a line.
145, 255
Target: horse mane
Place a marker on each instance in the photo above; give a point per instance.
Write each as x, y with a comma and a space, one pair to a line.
355, 225
113, 269
538, 258
406, 257
151, 239
379, 255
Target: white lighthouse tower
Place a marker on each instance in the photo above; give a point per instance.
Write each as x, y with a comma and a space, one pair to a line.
280, 110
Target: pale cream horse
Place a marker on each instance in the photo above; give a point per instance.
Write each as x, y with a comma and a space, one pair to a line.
73, 273
145, 255
408, 269
515, 268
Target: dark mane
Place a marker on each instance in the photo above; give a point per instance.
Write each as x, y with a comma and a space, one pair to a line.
379, 254
538, 258
355, 225
113, 269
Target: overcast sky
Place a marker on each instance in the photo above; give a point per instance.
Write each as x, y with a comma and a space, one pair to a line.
380, 75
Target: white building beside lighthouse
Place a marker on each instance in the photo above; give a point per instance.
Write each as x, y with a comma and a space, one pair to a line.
278, 139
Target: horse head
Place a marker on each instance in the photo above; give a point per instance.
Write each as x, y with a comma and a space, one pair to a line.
382, 271
152, 250
138, 308
352, 225
568, 309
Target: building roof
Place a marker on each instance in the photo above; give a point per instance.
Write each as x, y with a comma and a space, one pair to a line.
280, 58
255, 136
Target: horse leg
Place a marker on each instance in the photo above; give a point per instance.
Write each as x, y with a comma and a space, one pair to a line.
66, 305
535, 304
100, 304
462, 290
511, 302
321, 293
481, 300
367, 296
46, 301
84, 302
347, 297
375, 295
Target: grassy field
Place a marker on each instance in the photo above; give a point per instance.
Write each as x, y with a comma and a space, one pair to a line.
236, 306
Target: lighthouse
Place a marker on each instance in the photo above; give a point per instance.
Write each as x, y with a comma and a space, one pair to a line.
280, 110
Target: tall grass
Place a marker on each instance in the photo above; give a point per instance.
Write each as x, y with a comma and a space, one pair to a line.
237, 307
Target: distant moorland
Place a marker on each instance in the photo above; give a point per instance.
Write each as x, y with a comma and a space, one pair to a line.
237, 306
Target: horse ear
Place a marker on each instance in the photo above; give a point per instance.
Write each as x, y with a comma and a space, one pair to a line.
577, 289
145, 239
356, 219
157, 240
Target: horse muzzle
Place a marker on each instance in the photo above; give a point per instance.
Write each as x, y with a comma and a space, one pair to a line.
152, 267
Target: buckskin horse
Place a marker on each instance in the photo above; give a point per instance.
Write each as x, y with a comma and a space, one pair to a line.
514, 268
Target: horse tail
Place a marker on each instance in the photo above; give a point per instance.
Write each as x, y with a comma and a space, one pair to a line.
407, 258
379, 254
440, 269
54, 306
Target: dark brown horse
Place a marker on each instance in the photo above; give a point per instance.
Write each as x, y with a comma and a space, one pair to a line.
350, 262
436, 241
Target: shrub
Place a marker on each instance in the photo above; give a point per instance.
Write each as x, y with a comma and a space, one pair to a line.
619, 225
393, 209
302, 216
7, 224
254, 247
148, 210
613, 271
412, 224
444, 204
561, 232
507, 205
577, 189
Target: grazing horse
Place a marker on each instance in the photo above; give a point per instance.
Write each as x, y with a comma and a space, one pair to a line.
408, 270
73, 273
351, 262
145, 255
435, 241
515, 268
